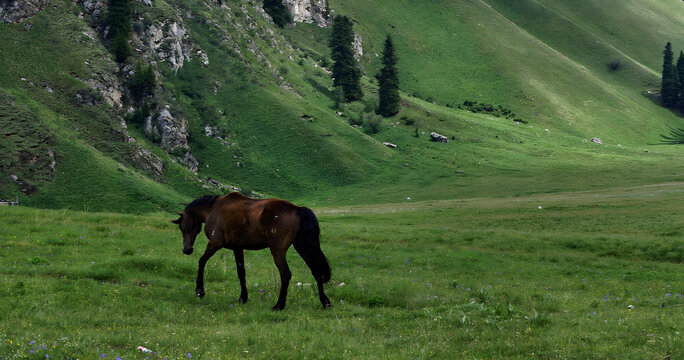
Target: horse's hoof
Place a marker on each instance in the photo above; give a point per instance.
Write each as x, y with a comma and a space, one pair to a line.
199, 293
242, 300
327, 306
277, 307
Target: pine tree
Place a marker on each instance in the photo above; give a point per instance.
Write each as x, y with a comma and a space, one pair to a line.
118, 19
669, 88
388, 79
143, 81
680, 72
278, 11
345, 69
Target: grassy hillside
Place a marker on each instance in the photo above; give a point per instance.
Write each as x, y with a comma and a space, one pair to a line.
583, 275
265, 93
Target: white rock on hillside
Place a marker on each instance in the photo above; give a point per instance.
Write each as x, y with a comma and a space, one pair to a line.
309, 11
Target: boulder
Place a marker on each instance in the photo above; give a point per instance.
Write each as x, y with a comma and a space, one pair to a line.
438, 138
390, 145
596, 140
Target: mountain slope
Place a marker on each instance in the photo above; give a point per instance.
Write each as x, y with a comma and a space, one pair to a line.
239, 101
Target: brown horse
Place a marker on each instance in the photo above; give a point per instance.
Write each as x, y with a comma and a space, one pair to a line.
239, 223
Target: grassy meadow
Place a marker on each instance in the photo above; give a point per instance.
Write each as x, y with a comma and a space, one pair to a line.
582, 275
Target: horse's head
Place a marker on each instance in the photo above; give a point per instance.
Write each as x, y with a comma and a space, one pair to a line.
190, 226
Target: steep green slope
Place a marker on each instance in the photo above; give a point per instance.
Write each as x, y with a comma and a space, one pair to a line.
260, 110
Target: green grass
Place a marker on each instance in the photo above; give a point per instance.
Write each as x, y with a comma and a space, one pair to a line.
542, 276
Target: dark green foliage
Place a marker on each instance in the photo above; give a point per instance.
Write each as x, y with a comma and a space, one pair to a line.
615, 64
278, 11
495, 110
388, 80
680, 72
345, 69
143, 82
372, 123
139, 115
120, 48
669, 89
118, 19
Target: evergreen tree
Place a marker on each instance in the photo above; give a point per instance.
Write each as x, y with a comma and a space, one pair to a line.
142, 82
388, 79
120, 48
118, 19
345, 69
278, 11
669, 88
680, 72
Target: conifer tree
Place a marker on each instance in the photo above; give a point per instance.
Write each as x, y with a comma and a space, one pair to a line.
345, 69
680, 72
669, 87
118, 19
388, 80
278, 11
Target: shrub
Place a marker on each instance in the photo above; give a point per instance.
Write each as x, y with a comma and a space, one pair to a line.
372, 123
615, 64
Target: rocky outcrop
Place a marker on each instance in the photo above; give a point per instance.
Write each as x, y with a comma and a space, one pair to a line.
438, 138
16, 11
171, 42
309, 11
358, 46
94, 9
171, 130
148, 162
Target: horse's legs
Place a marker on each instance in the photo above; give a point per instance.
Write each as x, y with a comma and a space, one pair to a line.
240, 264
209, 252
321, 295
285, 276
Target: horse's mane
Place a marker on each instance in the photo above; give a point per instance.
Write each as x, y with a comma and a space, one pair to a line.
207, 200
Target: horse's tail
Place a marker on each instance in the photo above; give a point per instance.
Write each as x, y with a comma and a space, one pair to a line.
308, 245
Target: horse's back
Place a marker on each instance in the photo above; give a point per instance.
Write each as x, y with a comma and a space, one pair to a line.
253, 223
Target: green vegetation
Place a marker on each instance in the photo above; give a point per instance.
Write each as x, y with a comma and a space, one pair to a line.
543, 274
388, 81
517, 239
669, 88
345, 71
143, 81
278, 11
119, 22
496, 110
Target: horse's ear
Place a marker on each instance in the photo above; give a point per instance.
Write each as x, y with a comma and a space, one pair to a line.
178, 221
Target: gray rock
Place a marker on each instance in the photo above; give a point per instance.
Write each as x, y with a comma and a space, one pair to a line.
19, 10
358, 46
390, 145
438, 138
596, 140
309, 11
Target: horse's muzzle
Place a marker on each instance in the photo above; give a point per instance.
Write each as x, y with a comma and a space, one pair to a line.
187, 251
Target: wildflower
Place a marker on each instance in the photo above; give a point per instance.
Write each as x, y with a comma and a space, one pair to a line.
189, 356
103, 355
